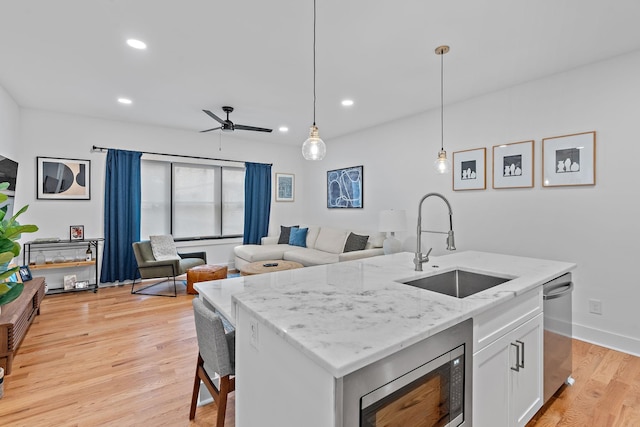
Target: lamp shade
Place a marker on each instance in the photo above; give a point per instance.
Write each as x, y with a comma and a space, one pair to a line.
392, 220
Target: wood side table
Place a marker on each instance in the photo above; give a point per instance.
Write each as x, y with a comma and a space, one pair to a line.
260, 267
15, 319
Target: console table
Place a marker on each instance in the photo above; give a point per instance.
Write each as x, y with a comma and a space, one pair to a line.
15, 319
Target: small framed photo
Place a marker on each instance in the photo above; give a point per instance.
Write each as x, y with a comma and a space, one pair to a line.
63, 179
513, 165
25, 273
285, 187
469, 169
70, 282
569, 160
76, 232
82, 284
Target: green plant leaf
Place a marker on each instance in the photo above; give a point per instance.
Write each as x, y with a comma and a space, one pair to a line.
6, 257
8, 273
14, 291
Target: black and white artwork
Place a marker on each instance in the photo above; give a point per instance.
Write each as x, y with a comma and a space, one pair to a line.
469, 169
513, 165
344, 188
569, 160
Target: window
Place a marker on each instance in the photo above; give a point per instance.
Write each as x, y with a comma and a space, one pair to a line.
191, 201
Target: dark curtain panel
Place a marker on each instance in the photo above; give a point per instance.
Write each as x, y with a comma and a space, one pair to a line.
122, 202
257, 202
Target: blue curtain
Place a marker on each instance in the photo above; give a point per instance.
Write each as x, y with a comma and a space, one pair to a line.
122, 203
257, 202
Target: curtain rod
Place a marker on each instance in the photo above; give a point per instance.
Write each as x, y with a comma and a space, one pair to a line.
95, 147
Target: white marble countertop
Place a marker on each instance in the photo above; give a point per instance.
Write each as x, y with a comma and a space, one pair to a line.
347, 315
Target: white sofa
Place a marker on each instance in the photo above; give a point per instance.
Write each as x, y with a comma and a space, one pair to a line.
324, 245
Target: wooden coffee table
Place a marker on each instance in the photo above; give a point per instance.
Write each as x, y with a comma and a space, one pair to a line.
260, 267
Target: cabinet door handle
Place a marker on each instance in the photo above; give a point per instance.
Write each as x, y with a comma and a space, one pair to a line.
521, 365
517, 367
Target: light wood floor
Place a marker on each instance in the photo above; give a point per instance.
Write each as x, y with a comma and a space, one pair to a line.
116, 359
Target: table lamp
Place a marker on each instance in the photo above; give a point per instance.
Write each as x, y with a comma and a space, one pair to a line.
391, 221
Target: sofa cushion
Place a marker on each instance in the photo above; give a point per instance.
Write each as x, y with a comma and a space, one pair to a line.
298, 237
285, 232
331, 240
355, 242
252, 253
308, 257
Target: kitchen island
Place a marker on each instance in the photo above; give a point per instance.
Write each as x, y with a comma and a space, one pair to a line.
300, 331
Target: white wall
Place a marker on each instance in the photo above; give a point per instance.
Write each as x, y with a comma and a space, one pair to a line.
595, 226
69, 136
9, 126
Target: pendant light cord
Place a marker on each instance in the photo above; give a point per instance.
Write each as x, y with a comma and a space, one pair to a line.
441, 101
314, 62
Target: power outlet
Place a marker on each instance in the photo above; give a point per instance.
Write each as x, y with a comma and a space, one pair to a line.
595, 306
253, 330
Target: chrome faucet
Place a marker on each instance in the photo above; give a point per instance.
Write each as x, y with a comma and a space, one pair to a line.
451, 245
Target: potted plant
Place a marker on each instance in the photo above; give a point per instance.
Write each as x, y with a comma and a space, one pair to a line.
10, 231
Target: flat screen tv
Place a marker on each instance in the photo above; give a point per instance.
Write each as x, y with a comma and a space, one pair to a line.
9, 173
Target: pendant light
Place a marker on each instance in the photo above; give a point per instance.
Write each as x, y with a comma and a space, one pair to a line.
313, 148
442, 164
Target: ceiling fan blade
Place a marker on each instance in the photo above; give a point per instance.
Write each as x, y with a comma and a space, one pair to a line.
213, 116
209, 130
244, 127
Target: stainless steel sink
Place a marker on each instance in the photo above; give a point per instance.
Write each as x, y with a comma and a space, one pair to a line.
457, 283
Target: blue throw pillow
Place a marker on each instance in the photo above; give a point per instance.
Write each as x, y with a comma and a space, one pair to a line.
298, 237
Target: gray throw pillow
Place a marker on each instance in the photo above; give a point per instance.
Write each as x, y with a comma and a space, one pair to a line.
355, 242
285, 232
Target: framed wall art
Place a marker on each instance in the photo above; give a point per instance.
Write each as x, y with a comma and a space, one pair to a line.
63, 179
513, 165
25, 273
344, 188
76, 232
285, 187
469, 169
569, 160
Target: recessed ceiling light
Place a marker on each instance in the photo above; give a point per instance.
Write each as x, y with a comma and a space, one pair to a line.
126, 101
347, 102
137, 44
283, 129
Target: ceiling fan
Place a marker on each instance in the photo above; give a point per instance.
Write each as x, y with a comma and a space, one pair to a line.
228, 125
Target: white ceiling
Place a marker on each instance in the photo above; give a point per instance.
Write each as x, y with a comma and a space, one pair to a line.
70, 56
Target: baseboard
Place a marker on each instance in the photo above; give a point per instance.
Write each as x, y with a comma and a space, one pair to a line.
607, 339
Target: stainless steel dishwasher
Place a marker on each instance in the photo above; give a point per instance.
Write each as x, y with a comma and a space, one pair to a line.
557, 334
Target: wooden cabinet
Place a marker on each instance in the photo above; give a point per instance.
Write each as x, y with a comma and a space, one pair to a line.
507, 372
16, 317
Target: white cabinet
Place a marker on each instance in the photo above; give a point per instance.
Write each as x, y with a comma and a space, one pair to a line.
507, 373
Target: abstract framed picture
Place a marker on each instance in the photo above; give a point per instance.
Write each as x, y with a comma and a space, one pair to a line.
569, 160
513, 165
63, 179
344, 188
285, 187
76, 232
469, 169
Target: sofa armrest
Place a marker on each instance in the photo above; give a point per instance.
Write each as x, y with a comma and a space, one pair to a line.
270, 240
365, 253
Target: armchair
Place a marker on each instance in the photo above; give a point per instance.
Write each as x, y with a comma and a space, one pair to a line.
150, 268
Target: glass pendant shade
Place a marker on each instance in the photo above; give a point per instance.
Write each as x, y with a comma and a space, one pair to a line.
314, 148
442, 164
